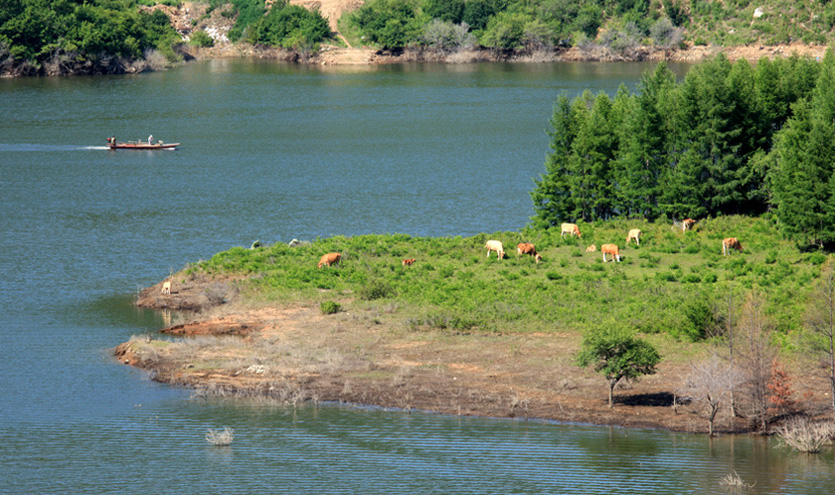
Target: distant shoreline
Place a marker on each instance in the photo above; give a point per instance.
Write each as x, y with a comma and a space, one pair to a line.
330, 55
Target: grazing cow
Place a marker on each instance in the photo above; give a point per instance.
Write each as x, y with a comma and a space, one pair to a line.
166, 287
687, 224
495, 246
527, 248
634, 234
408, 262
570, 228
730, 243
610, 249
591, 249
329, 259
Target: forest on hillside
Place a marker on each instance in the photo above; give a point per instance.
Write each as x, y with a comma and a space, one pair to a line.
619, 26
731, 138
59, 37
53, 37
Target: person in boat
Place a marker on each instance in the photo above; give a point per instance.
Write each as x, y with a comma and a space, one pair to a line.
151, 139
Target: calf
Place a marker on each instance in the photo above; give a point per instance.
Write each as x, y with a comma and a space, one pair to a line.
495, 246
610, 249
166, 287
329, 259
591, 249
570, 228
730, 243
634, 234
408, 262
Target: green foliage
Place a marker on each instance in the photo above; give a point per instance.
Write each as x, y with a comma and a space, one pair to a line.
329, 307
453, 286
615, 352
445, 10
35, 31
201, 39
289, 26
699, 148
389, 23
248, 12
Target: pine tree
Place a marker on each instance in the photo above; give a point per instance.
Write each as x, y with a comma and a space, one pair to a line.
804, 153
593, 152
552, 193
643, 149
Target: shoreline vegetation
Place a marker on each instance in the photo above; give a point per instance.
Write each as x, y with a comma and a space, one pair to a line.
460, 333
70, 39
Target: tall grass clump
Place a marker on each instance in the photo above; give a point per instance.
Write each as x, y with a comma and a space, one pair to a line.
804, 435
220, 438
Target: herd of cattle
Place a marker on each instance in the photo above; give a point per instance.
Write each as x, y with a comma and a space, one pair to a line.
729, 243
612, 250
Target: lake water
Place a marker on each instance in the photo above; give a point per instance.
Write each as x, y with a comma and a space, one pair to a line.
275, 152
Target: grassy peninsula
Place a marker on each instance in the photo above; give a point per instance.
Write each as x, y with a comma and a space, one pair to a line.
462, 333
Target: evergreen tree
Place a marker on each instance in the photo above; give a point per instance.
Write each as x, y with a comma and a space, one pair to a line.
802, 178
644, 146
551, 193
593, 153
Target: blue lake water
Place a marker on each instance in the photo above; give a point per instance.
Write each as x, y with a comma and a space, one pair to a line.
275, 152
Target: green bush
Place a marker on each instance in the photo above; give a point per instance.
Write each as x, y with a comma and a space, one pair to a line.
376, 289
329, 307
202, 39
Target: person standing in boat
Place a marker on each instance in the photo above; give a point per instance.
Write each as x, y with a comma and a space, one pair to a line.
151, 139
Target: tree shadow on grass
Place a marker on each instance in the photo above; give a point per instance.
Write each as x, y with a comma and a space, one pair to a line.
660, 399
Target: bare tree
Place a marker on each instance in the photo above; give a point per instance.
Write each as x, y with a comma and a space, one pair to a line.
711, 383
726, 329
755, 354
821, 322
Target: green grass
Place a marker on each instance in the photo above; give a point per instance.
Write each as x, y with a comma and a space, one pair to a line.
671, 284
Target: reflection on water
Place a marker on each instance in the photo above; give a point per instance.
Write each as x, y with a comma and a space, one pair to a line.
270, 151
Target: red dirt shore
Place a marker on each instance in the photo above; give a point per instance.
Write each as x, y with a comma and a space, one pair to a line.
368, 355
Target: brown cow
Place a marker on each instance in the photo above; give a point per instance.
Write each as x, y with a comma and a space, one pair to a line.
610, 249
570, 228
687, 224
527, 248
408, 262
329, 259
495, 246
591, 249
730, 243
634, 234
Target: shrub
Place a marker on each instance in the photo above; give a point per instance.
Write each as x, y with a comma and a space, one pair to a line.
329, 307
376, 289
202, 39
817, 258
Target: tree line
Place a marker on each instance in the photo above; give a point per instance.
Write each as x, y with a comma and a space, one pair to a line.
620, 26
53, 37
730, 138
60, 36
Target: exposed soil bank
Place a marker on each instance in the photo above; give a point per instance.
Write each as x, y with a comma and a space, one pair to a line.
370, 356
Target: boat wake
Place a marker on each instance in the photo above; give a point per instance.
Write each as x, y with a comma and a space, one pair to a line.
18, 147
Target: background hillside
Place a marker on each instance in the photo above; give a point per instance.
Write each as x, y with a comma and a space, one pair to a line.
53, 37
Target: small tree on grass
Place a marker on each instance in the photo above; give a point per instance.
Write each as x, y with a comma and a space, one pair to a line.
616, 353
